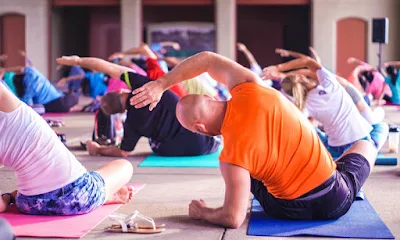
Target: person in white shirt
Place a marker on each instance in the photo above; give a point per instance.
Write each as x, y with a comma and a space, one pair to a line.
326, 101
50, 180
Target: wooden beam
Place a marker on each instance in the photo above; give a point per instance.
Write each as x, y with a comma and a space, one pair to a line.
85, 2
177, 2
273, 2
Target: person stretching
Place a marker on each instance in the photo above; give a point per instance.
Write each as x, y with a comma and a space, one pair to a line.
50, 180
269, 147
166, 136
371, 80
342, 123
372, 117
154, 70
392, 79
33, 87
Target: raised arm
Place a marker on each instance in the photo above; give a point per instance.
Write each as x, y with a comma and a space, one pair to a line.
174, 45
220, 68
250, 57
143, 50
395, 64
305, 72
64, 80
3, 57
95, 64
28, 62
288, 53
303, 62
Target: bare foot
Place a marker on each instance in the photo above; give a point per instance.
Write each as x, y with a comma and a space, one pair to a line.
124, 195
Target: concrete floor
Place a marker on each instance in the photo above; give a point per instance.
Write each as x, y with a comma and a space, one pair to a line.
169, 190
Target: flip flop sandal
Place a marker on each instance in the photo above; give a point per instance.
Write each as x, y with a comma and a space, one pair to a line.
127, 224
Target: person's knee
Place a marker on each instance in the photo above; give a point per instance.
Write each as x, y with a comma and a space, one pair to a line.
126, 166
366, 149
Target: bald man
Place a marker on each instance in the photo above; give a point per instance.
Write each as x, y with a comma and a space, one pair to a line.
269, 147
166, 135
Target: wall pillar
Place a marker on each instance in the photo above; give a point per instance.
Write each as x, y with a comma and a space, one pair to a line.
131, 23
225, 26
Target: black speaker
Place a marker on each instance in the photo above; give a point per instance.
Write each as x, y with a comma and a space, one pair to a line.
380, 30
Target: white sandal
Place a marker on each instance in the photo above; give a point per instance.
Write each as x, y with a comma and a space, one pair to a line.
127, 224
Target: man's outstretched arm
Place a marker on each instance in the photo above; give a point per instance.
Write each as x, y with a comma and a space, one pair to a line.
233, 212
220, 68
95, 64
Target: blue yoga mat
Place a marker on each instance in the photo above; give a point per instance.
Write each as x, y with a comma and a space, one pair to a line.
388, 161
203, 161
361, 221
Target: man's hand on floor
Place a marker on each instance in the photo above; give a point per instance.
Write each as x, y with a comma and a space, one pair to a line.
196, 209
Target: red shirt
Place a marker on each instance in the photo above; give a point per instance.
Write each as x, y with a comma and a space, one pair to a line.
155, 72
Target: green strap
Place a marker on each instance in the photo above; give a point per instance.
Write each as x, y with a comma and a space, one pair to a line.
127, 81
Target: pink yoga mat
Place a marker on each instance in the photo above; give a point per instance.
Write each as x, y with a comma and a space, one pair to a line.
58, 226
47, 115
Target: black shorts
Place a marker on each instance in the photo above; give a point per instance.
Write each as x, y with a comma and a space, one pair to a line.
330, 200
186, 143
62, 104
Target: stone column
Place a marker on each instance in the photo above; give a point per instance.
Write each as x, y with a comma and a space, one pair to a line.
225, 26
131, 23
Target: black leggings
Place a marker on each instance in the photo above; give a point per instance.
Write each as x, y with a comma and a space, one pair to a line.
62, 104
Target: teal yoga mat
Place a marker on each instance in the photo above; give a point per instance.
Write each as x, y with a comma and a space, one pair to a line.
203, 161
387, 161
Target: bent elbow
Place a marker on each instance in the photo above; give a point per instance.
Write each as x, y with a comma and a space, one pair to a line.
235, 222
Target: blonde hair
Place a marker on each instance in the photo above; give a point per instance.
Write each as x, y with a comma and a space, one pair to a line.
296, 87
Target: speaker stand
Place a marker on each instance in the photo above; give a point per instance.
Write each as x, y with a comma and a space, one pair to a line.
380, 56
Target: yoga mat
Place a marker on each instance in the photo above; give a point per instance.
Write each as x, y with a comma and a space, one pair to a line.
59, 226
387, 161
361, 221
203, 161
54, 115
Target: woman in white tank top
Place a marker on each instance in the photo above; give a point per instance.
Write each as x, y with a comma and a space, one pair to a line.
326, 101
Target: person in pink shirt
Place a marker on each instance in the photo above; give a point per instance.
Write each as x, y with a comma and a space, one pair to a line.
369, 77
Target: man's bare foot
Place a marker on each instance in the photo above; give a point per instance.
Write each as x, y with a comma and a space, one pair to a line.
124, 195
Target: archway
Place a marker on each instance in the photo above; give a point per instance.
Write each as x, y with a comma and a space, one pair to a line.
12, 38
351, 41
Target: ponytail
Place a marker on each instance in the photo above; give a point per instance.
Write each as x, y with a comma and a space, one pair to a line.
392, 72
295, 86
